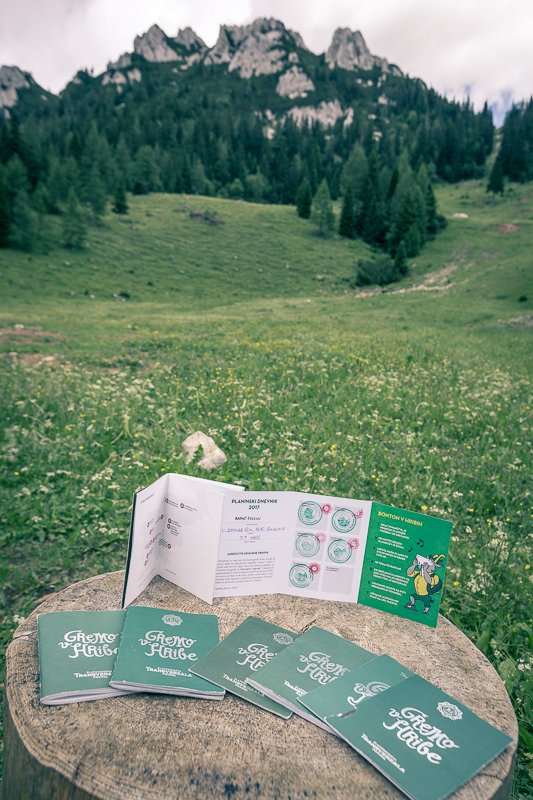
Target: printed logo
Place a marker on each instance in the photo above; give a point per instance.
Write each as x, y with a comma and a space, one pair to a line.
283, 638
300, 576
339, 551
450, 711
326, 508
309, 513
344, 520
172, 619
307, 544
368, 690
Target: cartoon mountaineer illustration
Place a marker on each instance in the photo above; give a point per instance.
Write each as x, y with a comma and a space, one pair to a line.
426, 580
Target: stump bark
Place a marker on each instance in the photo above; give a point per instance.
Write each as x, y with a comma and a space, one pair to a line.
153, 747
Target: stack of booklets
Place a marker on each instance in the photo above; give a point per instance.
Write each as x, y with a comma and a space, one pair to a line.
424, 741
90, 655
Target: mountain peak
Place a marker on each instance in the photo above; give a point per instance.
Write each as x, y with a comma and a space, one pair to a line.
261, 48
349, 50
188, 39
11, 79
153, 46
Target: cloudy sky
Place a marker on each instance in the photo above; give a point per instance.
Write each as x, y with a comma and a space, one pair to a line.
476, 48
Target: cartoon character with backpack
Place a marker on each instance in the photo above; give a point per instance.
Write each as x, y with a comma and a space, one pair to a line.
426, 581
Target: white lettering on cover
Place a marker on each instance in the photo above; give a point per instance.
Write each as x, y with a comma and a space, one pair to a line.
173, 647
321, 669
411, 727
89, 644
256, 655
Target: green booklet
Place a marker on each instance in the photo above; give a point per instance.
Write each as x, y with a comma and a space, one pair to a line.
317, 658
344, 696
424, 741
248, 648
157, 649
77, 651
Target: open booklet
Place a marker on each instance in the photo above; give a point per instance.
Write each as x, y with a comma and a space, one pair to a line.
217, 540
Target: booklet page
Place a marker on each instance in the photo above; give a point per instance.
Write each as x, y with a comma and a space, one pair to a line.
255, 529
324, 553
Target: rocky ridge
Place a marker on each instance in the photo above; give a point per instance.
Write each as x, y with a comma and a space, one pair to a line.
12, 79
264, 47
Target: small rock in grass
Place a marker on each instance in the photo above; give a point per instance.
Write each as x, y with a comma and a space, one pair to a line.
213, 456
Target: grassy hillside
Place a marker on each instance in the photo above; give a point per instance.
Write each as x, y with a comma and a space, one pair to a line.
419, 396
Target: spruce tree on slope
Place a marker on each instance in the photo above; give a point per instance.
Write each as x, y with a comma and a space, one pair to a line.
347, 224
323, 215
304, 200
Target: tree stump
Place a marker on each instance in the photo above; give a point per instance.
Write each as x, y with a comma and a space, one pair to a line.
149, 746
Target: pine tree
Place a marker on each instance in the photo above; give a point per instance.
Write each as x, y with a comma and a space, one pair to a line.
322, 214
95, 195
400, 260
5, 210
304, 200
495, 184
74, 226
432, 223
347, 224
370, 223
120, 202
23, 233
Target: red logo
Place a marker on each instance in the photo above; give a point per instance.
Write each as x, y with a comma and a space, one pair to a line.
169, 546
326, 508
169, 520
321, 537
182, 505
354, 543
314, 568
359, 514
166, 499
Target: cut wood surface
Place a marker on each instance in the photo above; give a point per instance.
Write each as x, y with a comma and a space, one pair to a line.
146, 746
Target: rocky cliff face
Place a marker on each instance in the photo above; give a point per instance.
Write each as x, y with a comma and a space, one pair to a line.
256, 49
153, 46
11, 79
348, 50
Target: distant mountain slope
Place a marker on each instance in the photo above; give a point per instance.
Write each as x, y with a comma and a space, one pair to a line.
256, 117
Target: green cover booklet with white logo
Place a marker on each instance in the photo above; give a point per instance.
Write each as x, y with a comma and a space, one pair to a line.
426, 742
157, 649
345, 695
77, 651
247, 649
317, 658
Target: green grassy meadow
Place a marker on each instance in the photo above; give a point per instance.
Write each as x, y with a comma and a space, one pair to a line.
250, 330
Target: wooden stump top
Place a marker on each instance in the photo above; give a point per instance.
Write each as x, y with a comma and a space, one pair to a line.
148, 747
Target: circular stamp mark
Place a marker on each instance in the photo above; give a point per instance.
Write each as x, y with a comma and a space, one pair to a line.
339, 551
300, 576
307, 544
344, 520
310, 513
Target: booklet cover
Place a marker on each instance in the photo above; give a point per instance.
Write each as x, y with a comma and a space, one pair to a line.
77, 652
248, 648
158, 647
317, 658
216, 540
426, 742
344, 696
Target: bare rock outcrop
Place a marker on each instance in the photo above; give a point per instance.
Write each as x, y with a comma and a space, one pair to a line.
261, 48
188, 39
154, 46
348, 50
12, 79
326, 114
294, 83
123, 62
